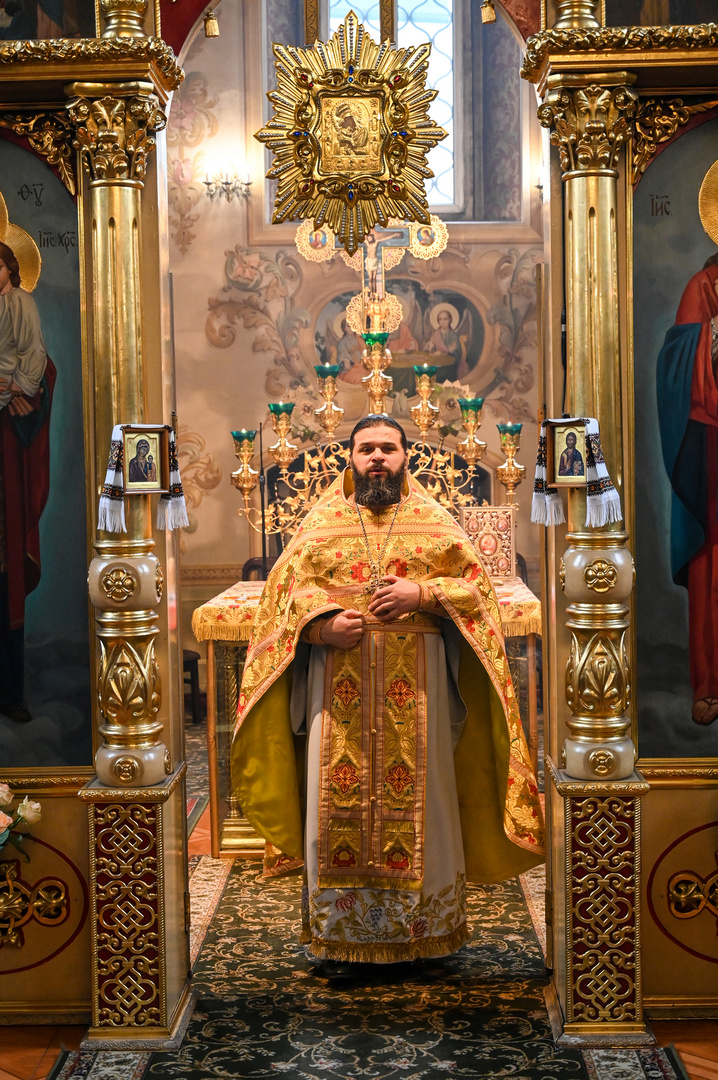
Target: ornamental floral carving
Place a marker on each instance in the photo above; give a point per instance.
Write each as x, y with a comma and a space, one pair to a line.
597, 674
590, 124
49, 134
628, 39
657, 121
21, 903
129, 688
119, 584
600, 575
114, 134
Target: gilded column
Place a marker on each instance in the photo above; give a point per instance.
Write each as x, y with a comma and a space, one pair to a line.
590, 117
113, 126
136, 805
594, 801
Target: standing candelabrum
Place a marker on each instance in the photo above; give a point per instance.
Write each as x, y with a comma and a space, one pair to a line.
471, 448
425, 414
313, 469
329, 415
510, 473
376, 359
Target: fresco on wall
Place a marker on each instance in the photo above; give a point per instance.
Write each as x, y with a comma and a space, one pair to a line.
480, 348
677, 409
442, 328
44, 632
191, 122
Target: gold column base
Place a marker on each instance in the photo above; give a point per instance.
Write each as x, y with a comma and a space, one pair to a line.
585, 1036
240, 841
596, 998
139, 915
159, 1038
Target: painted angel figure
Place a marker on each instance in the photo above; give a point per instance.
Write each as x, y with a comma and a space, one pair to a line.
446, 334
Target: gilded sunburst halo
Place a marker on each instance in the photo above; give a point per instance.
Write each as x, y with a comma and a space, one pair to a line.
350, 133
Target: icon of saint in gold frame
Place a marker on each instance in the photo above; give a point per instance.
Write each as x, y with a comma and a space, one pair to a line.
146, 460
566, 455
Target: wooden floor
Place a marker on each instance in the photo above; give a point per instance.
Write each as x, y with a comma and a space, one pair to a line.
28, 1053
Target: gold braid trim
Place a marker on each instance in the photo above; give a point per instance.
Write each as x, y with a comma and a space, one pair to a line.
369, 953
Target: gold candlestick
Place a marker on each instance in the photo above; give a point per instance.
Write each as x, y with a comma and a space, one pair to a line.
510, 473
425, 414
376, 359
283, 451
471, 449
329, 415
245, 477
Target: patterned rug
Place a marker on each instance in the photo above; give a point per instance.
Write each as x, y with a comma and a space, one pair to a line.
477, 1015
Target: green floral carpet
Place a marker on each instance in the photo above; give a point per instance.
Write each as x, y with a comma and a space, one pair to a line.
263, 1012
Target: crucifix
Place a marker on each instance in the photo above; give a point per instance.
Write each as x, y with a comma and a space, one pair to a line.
380, 251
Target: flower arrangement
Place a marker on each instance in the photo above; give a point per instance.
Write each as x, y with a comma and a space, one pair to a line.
11, 824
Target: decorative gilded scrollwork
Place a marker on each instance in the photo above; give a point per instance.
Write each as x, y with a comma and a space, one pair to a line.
129, 688
602, 932
562, 575
590, 124
597, 673
689, 894
119, 584
107, 51
113, 134
128, 897
625, 39
49, 134
657, 120
21, 903
600, 575
159, 581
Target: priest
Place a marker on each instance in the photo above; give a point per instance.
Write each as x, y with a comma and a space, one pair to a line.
378, 734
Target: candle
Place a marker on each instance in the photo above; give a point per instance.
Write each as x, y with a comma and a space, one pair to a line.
277, 408
472, 404
509, 429
425, 369
327, 371
245, 433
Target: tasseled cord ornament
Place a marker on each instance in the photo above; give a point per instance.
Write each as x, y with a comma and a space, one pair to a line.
603, 503
171, 509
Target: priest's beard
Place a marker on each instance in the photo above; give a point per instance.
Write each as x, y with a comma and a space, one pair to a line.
378, 491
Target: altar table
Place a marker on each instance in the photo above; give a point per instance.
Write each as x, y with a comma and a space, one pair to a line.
225, 623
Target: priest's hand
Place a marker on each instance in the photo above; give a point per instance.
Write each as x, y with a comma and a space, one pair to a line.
343, 630
398, 597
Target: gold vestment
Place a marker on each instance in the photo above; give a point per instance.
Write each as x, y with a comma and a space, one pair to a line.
371, 799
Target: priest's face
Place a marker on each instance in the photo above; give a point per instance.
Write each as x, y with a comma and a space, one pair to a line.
378, 466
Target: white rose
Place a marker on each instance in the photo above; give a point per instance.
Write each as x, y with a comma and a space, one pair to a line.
6, 795
5, 821
29, 811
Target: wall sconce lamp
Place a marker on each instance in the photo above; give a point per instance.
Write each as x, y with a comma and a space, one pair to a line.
229, 185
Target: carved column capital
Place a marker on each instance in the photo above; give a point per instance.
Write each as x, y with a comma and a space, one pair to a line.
590, 120
114, 128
